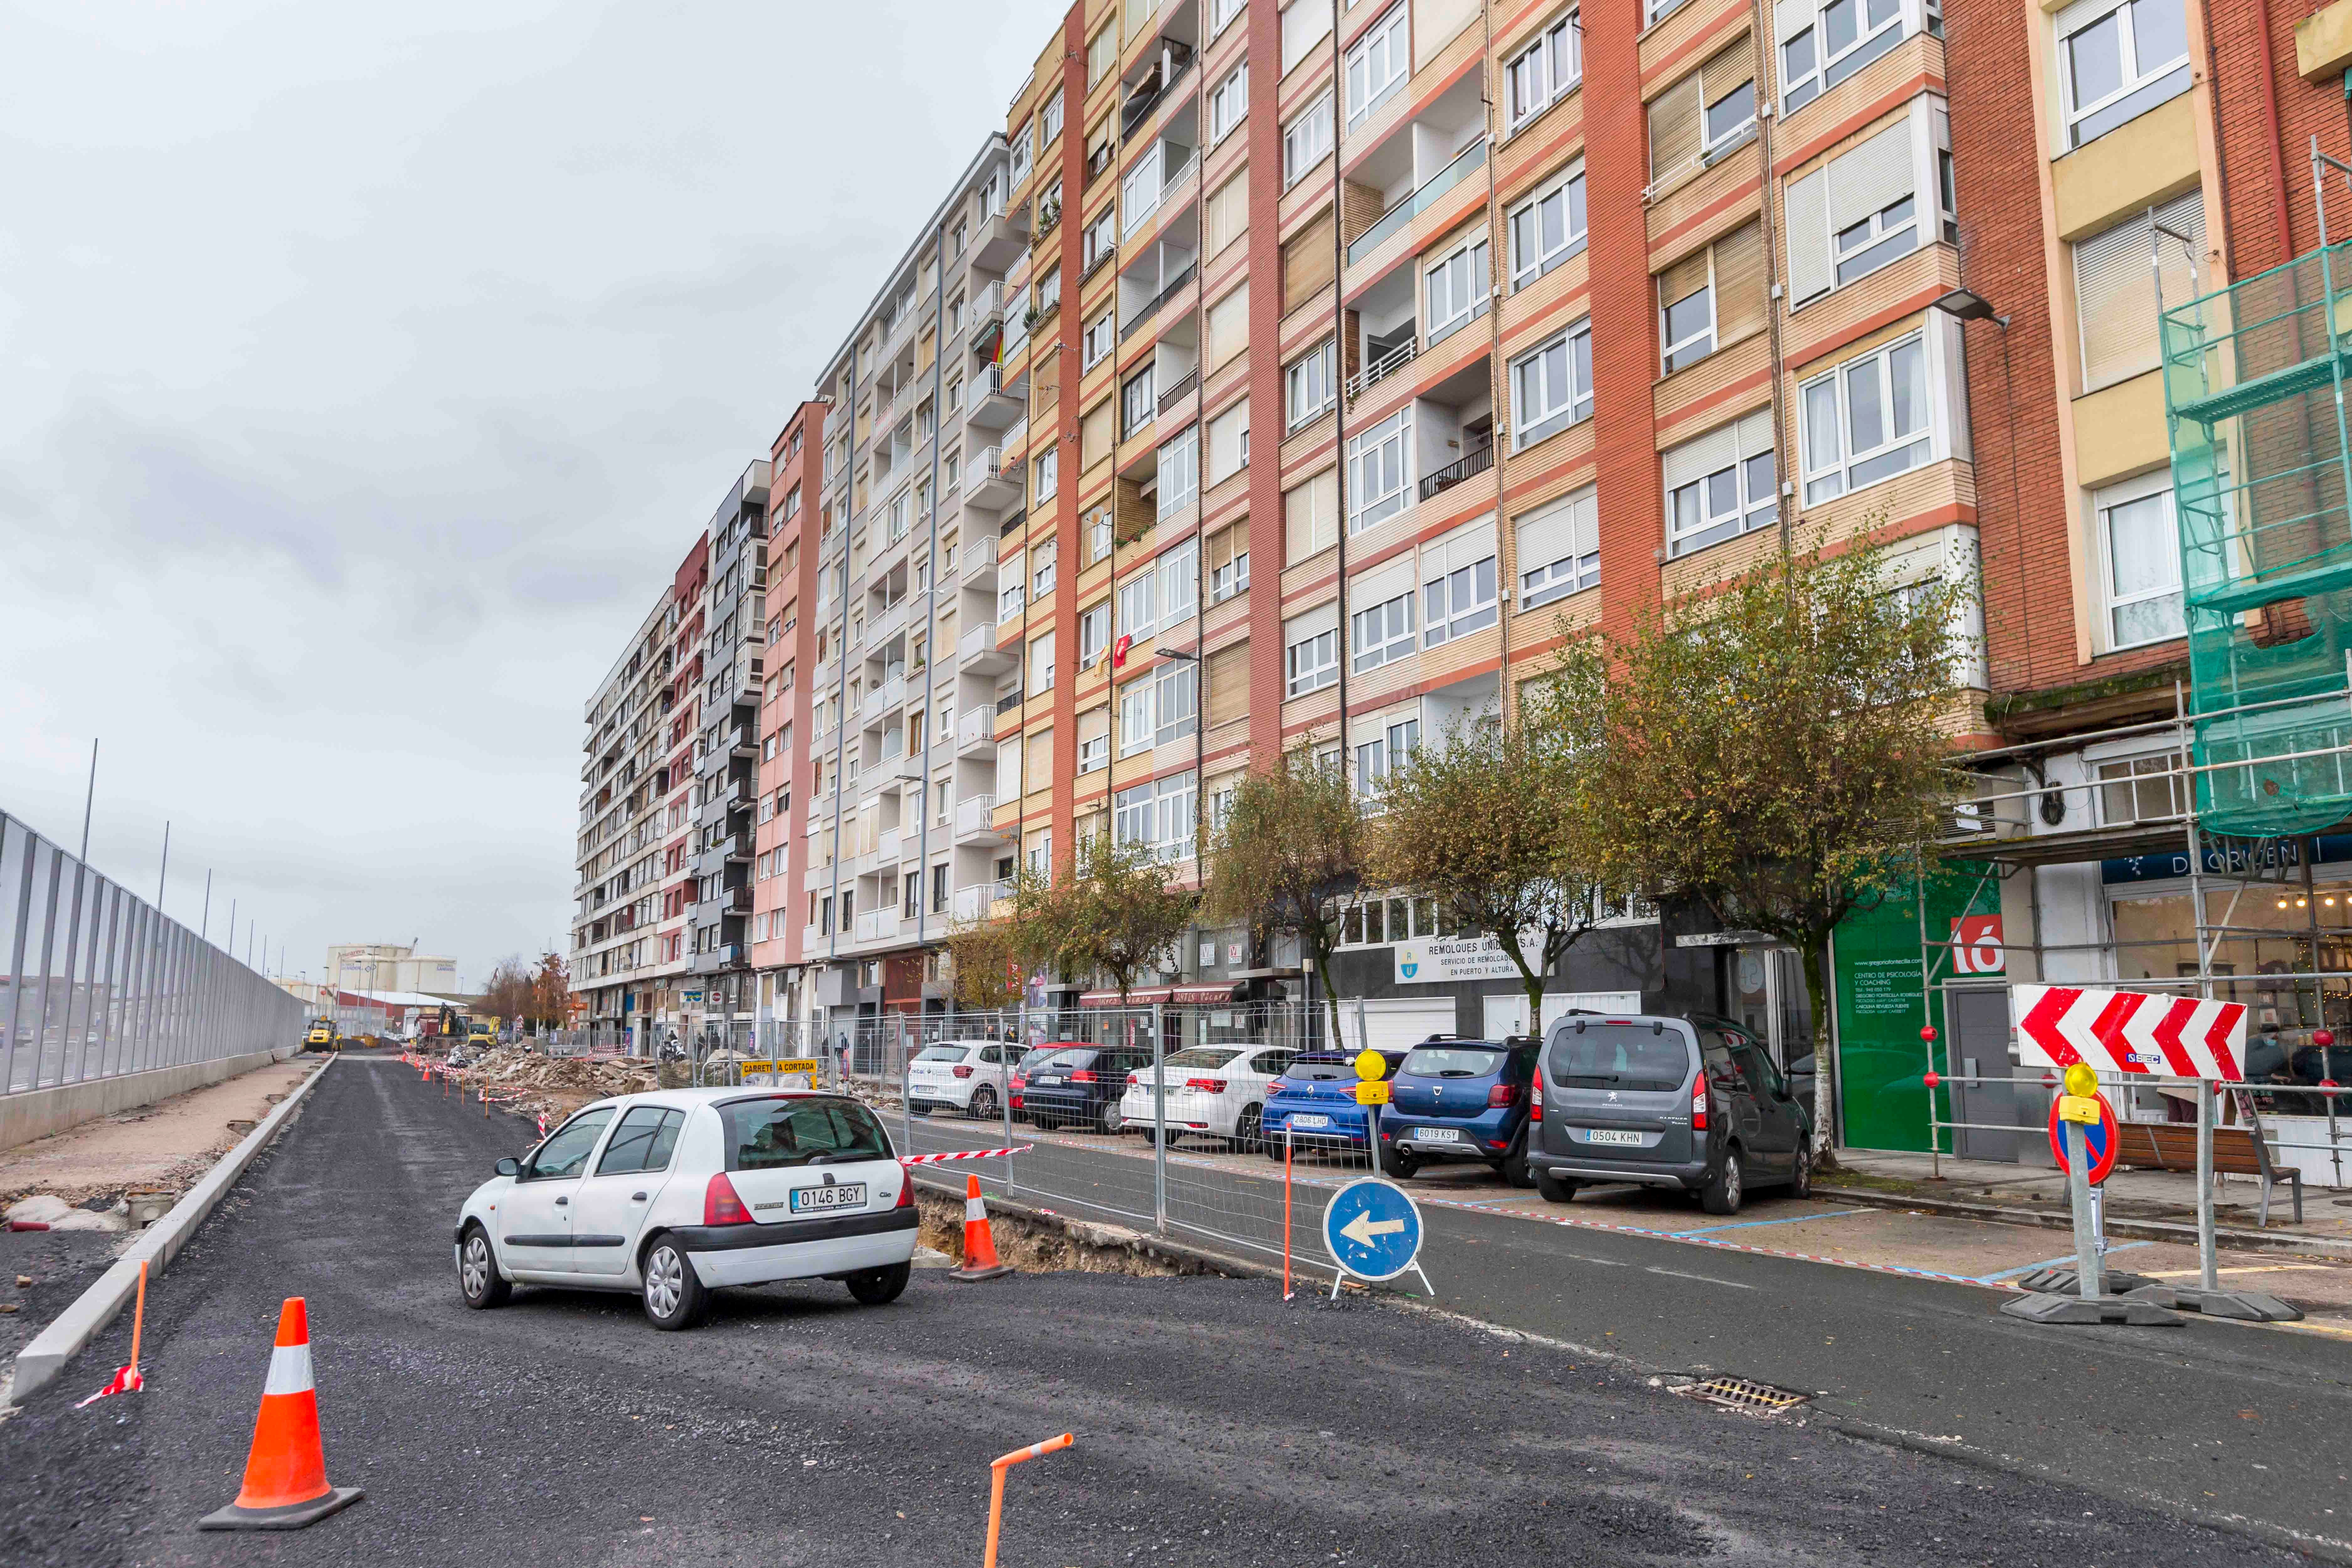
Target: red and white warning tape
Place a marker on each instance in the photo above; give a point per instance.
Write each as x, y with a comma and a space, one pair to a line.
962, 1154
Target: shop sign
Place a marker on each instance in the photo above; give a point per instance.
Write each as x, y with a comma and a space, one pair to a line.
1976, 946
1449, 960
2233, 859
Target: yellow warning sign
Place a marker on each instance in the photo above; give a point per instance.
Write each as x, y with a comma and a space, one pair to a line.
2082, 1108
1371, 1094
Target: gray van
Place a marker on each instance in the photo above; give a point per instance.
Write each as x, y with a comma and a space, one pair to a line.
1619, 1098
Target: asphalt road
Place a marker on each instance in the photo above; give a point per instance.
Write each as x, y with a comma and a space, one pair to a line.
1217, 1426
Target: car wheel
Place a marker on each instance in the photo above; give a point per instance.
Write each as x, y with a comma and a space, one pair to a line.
1800, 1176
876, 1287
1274, 1148
983, 1103
479, 1280
1514, 1168
1246, 1129
1108, 1121
1399, 1162
674, 1297
1726, 1185
919, 1108
1555, 1189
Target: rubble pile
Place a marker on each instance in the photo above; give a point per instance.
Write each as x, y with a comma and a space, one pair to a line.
555, 1085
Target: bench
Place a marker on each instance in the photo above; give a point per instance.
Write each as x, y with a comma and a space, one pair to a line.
2171, 1146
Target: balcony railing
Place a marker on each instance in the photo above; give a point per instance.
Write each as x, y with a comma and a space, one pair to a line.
973, 903
975, 815
1181, 390
1477, 460
1175, 60
1380, 369
1471, 157
1128, 328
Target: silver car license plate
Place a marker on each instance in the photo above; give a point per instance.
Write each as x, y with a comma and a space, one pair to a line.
1311, 1121
817, 1200
1051, 1080
1611, 1135
1437, 1135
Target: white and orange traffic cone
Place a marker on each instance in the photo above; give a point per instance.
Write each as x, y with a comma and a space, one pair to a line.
980, 1260
286, 1472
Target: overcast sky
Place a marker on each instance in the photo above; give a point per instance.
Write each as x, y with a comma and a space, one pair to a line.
364, 371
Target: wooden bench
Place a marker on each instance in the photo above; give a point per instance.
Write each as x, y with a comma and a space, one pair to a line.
2236, 1151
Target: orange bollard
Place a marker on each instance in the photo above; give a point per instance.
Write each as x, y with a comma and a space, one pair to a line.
286, 1471
996, 1469
980, 1260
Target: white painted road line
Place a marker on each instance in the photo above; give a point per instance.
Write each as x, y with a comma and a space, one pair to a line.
1702, 1278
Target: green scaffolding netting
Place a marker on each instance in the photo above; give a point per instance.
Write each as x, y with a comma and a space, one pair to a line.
2253, 388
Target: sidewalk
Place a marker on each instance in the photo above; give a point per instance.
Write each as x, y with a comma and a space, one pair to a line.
2158, 1196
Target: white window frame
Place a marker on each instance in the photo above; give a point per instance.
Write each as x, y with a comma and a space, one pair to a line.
1382, 634
1180, 471
1166, 703
1048, 466
1458, 601
1755, 502
1311, 374
1580, 569
1380, 470
1693, 346
1139, 190
1311, 663
2155, 485
1800, 84
1228, 103
1093, 633
1874, 247
1465, 275
1101, 237
1547, 70
1230, 579
1134, 418
1101, 337
1378, 757
2139, 77
1568, 190
1019, 152
1222, 14
1049, 123
1714, 143
1825, 480
1377, 63
1159, 814
1306, 139
1573, 403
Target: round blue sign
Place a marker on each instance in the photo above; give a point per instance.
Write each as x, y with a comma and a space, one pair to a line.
1372, 1228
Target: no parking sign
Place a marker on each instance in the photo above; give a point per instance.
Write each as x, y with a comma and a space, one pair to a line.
2100, 1138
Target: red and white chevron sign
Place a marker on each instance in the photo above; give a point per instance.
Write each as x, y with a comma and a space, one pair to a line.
2128, 1032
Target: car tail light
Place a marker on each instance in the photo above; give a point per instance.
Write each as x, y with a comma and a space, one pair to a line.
906, 1191
1133, 1079
1502, 1094
1083, 1075
1206, 1085
964, 1072
1698, 1103
721, 1206
1016, 1103
1019, 1083
1535, 1096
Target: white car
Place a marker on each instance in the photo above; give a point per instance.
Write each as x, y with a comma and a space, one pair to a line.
1216, 1091
961, 1075
673, 1193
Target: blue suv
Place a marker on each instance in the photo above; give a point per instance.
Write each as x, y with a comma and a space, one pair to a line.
1460, 1100
1315, 1099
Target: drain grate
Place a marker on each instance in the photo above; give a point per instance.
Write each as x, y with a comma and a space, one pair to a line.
1744, 1393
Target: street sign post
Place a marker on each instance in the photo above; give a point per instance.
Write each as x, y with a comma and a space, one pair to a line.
1374, 1232
2083, 1088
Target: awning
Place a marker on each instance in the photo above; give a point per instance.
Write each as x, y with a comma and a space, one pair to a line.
1134, 999
1223, 991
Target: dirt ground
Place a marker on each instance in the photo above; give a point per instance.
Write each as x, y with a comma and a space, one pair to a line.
166, 1146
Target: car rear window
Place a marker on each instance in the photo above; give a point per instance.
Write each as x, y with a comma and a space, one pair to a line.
941, 1053
1071, 1058
1319, 1067
1204, 1056
1453, 1061
1620, 1056
772, 1134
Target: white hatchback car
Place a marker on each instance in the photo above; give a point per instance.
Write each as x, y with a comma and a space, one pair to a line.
961, 1075
1216, 1091
673, 1193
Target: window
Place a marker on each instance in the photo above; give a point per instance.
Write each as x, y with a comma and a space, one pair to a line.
1722, 485
2140, 549
1457, 289
1220, 13
1548, 227
1101, 238
1458, 578
1229, 443
1551, 388
1703, 115
1308, 263
1094, 740
1226, 329
1859, 211
1304, 24
1380, 470
1049, 124
1306, 140
566, 1153
1229, 561
1049, 467
1712, 299
765, 1134
1043, 562
1308, 385
1101, 337
1040, 663
2115, 291
1822, 42
2117, 59
1559, 549
1228, 101
1382, 634
1180, 472
1159, 815
1102, 52
911, 894
1376, 758
1140, 188
1227, 216
939, 889
1310, 520
1020, 155
2143, 789
1139, 402
1098, 537
1545, 70
1377, 64
1158, 708
1867, 420
1163, 592
1093, 633
1376, 921
1311, 652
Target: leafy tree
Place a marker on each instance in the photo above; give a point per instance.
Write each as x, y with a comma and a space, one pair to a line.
507, 994
1488, 823
551, 1000
1288, 856
1115, 914
989, 961
1777, 749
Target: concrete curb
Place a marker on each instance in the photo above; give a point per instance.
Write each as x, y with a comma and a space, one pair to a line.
82, 1322
1105, 1237
2117, 1226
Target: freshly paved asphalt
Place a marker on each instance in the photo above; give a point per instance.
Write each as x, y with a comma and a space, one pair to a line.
1217, 1426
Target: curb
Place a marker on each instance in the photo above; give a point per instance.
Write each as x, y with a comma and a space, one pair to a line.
82, 1322
1082, 1232
2118, 1224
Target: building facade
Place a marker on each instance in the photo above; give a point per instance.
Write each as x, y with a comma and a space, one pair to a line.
389, 966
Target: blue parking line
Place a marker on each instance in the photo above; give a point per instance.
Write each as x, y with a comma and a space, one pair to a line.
2050, 1262
1751, 1224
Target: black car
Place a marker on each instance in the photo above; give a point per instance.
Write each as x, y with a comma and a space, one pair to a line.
1080, 1085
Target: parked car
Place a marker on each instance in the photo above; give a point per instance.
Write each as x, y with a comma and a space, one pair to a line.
1081, 1085
1216, 1091
1695, 1105
1017, 1090
961, 1075
674, 1194
1460, 1100
1315, 1101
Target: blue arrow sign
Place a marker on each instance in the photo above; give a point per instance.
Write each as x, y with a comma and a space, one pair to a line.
1373, 1229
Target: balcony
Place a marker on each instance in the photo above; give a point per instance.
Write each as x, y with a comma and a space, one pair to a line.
1147, 186
994, 403
1181, 390
1174, 59
990, 481
878, 925
977, 653
974, 903
975, 731
1129, 328
1477, 460
1386, 360
975, 822
976, 562
997, 243
1471, 159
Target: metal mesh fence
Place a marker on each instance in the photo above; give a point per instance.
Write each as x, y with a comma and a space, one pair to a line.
95, 982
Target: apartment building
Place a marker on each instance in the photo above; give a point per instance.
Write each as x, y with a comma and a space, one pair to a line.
779, 849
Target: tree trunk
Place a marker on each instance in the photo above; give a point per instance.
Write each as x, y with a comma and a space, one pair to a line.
1330, 998
1816, 954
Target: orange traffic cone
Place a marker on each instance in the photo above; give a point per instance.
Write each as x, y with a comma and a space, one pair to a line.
978, 1247
286, 1473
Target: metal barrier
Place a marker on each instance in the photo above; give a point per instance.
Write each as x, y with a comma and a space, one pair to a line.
96, 983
